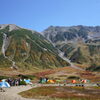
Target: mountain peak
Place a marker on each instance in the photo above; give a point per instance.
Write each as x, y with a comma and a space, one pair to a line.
11, 26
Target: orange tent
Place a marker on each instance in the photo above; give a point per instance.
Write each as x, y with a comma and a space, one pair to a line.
51, 81
73, 81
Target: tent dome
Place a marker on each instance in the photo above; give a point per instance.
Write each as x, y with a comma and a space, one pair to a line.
4, 84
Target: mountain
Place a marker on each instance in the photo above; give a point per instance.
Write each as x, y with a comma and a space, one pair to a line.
73, 33
80, 44
27, 49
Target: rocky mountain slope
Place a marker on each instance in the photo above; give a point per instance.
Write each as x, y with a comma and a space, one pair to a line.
80, 44
23, 48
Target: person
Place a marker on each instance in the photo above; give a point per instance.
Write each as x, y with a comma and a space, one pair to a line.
13, 82
10, 81
40, 80
19, 80
46, 79
16, 82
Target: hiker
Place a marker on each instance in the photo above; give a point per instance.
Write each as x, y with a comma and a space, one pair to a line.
16, 82
19, 80
40, 80
46, 79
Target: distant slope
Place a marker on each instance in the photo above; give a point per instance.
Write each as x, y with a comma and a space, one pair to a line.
23, 48
73, 33
94, 67
81, 44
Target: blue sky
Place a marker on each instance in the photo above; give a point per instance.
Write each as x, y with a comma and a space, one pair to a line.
40, 14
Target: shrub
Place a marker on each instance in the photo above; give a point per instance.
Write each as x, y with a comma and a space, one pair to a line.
3, 77
22, 83
73, 77
27, 76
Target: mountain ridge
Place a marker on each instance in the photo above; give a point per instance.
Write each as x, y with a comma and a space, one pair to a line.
23, 48
80, 44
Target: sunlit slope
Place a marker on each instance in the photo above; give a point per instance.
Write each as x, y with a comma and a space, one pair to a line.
27, 49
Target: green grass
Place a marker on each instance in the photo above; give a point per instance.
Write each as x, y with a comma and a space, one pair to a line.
61, 93
31, 55
3, 77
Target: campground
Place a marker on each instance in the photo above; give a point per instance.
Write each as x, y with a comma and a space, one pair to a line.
59, 86
50, 92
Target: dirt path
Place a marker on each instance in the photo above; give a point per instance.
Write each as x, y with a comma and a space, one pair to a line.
12, 93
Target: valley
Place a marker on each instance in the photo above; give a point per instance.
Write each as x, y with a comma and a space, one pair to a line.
62, 55
25, 51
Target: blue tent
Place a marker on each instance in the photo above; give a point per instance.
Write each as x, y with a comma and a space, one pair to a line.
4, 84
28, 81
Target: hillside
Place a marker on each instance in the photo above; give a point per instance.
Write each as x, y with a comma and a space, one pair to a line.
26, 49
80, 44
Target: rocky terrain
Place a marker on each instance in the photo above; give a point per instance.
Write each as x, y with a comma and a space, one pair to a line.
56, 46
80, 44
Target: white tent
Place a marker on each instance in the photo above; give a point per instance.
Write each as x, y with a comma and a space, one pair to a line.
4, 84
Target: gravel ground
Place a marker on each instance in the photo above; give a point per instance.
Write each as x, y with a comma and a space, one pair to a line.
12, 93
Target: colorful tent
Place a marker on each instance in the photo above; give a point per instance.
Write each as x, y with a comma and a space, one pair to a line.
58, 81
73, 81
4, 84
51, 81
84, 81
42, 80
28, 81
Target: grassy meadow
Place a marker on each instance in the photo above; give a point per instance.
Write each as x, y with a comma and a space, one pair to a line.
62, 93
